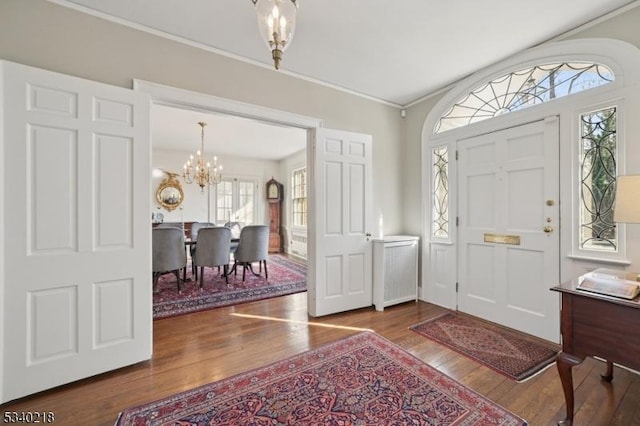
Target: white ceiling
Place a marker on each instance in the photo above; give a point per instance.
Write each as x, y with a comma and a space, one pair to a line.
393, 51
224, 135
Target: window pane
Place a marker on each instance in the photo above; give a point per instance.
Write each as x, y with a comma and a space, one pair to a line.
440, 214
235, 201
598, 180
224, 201
299, 197
522, 89
246, 197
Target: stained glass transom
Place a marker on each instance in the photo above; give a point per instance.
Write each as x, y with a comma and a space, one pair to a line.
598, 137
521, 89
440, 212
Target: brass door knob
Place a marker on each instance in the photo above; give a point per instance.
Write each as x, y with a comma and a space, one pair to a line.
548, 229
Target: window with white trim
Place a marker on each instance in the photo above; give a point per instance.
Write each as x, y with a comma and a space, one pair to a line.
299, 197
235, 201
598, 159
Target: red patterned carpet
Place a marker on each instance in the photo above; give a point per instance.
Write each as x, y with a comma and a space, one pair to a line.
286, 276
360, 380
499, 348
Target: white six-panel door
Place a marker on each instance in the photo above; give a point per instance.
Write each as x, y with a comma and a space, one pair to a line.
340, 274
77, 281
508, 227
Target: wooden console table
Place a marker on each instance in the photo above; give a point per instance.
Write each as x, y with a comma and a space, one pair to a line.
595, 325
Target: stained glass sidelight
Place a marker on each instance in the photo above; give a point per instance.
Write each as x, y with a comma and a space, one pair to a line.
598, 139
440, 214
522, 89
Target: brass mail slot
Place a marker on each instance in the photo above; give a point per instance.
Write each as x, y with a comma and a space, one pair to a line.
502, 239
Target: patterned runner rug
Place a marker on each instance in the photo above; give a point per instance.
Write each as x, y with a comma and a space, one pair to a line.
286, 276
360, 380
499, 348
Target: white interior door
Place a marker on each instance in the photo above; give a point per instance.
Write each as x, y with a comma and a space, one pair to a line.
77, 277
340, 218
508, 227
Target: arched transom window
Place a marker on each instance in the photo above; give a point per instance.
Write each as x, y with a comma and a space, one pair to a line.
522, 89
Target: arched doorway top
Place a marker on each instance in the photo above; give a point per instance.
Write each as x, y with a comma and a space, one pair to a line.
536, 76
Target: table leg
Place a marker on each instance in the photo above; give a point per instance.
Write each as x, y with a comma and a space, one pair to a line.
608, 376
565, 362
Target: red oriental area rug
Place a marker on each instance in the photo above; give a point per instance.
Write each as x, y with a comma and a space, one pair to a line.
499, 348
286, 276
360, 380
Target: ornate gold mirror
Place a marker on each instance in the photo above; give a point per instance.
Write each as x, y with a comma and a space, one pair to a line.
169, 194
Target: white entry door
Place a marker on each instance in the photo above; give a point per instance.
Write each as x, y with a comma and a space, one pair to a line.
509, 227
340, 219
76, 285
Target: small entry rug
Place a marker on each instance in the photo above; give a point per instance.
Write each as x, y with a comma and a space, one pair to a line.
361, 380
499, 348
286, 276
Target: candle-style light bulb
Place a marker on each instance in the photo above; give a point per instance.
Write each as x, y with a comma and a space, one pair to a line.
283, 28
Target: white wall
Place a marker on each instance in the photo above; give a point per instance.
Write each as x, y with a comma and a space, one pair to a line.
45, 35
621, 27
195, 202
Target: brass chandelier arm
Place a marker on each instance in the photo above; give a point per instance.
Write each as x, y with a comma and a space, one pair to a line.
196, 171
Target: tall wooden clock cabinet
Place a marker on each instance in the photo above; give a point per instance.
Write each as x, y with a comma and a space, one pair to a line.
274, 199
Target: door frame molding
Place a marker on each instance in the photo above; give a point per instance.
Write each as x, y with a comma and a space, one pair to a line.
437, 283
186, 99
172, 96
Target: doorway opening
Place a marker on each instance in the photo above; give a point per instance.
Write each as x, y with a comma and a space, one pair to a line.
253, 144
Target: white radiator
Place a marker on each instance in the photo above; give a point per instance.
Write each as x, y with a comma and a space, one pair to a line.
298, 244
395, 270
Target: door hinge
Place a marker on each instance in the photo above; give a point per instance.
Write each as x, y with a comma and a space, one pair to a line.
457, 221
456, 286
457, 154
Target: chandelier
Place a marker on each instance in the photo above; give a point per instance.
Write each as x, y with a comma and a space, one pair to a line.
276, 23
196, 171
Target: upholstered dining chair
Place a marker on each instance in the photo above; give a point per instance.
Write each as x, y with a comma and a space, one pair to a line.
235, 228
195, 228
168, 225
168, 254
252, 247
213, 250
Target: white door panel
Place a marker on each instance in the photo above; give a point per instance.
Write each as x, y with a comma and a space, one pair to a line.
507, 261
341, 278
77, 281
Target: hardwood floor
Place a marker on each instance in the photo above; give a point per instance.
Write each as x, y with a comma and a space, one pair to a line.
199, 348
